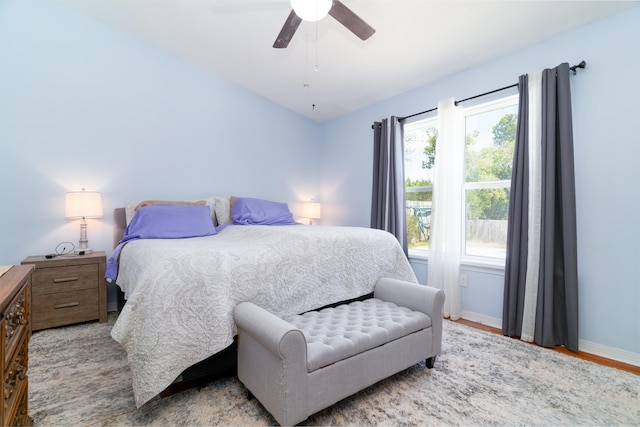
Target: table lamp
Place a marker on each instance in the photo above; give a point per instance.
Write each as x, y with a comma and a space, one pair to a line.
83, 204
311, 210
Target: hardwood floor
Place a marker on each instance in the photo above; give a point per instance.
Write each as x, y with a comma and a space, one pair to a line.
582, 355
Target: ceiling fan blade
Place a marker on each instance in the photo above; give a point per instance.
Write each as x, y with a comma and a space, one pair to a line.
353, 22
288, 30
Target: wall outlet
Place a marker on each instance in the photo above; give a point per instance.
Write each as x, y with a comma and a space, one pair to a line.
464, 280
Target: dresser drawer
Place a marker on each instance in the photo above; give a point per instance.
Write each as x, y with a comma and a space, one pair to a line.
62, 279
16, 324
64, 308
15, 299
15, 385
21, 413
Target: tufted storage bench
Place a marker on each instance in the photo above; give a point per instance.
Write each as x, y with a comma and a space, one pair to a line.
305, 363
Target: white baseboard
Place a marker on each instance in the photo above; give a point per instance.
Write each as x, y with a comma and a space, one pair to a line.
494, 322
612, 353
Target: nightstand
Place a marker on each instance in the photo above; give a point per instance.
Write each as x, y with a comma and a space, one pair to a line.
67, 289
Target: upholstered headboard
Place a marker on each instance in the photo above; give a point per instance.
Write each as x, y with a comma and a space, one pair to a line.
120, 224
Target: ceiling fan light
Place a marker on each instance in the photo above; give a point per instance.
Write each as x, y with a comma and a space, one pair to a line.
311, 10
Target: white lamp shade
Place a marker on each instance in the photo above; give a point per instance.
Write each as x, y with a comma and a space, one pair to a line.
83, 204
311, 10
311, 210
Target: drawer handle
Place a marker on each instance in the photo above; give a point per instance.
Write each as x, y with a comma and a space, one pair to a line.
66, 304
65, 279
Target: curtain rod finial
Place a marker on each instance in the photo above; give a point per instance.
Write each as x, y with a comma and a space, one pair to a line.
582, 64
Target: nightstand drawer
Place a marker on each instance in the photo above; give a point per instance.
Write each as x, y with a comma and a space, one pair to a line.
64, 308
63, 279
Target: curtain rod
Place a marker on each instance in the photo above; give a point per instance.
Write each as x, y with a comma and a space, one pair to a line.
573, 68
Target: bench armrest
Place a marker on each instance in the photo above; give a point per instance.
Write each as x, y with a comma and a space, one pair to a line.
272, 362
274, 333
416, 297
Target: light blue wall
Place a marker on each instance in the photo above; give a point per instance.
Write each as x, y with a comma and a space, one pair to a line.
605, 119
82, 106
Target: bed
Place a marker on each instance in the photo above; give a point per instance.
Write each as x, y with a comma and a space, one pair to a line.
180, 292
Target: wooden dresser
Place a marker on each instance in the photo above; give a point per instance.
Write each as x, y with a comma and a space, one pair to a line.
68, 289
16, 329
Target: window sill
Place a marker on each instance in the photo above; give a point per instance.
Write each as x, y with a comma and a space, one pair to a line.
486, 265
418, 254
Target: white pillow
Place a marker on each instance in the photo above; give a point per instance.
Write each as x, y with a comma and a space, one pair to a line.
129, 210
222, 207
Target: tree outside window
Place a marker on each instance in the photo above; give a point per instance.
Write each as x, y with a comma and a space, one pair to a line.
420, 145
490, 139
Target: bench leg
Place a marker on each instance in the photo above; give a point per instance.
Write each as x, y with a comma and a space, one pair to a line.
430, 362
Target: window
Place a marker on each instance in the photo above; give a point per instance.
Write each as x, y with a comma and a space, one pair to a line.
490, 131
419, 155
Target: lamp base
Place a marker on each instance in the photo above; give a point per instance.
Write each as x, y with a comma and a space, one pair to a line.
83, 251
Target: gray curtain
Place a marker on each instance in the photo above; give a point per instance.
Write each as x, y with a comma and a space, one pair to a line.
556, 319
388, 201
518, 227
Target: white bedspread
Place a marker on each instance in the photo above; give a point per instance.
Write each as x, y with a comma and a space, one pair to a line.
181, 293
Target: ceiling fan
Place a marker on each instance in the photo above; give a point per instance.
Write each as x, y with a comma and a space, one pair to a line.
313, 10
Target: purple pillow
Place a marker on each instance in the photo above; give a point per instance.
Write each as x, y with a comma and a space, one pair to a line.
248, 211
170, 222
163, 222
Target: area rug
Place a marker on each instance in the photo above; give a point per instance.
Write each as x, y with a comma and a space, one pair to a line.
78, 376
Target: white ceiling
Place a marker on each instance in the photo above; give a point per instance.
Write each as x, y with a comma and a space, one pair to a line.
416, 42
